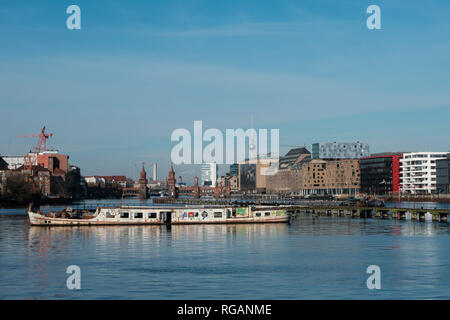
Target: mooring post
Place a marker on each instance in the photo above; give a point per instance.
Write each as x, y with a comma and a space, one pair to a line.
421, 216
402, 215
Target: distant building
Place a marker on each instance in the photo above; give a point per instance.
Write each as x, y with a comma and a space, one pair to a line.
234, 170
443, 175
330, 177
53, 161
293, 158
419, 172
3, 175
94, 180
208, 174
288, 177
155, 172
14, 162
101, 181
380, 174
340, 150
3, 164
253, 174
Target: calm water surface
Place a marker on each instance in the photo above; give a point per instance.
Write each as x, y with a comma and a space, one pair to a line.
313, 258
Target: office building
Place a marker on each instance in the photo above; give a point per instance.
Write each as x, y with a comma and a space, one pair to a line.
443, 175
380, 174
208, 174
234, 170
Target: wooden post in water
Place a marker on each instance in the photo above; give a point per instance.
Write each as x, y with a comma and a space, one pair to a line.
402, 215
422, 216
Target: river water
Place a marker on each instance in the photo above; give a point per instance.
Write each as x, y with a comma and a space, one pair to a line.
312, 258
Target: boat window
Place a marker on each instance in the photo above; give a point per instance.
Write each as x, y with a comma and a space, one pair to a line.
217, 214
138, 215
267, 214
152, 215
108, 214
196, 214
258, 214
124, 215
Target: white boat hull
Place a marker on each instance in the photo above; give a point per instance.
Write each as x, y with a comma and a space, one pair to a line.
161, 216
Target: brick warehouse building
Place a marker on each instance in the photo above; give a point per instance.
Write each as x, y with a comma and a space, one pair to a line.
381, 173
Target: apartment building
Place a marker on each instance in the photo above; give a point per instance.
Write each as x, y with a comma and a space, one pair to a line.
419, 172
330, 177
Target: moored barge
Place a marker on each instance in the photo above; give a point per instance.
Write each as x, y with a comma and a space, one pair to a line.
164, 215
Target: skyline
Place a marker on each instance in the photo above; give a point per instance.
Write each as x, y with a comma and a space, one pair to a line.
113, 91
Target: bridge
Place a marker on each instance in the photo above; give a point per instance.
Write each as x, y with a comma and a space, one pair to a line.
131, 192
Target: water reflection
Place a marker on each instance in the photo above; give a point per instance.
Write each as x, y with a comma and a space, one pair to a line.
312, 258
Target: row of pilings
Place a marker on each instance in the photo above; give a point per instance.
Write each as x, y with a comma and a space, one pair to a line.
320, 210
382, 213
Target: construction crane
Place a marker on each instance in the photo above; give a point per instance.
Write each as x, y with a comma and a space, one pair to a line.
29, 159
42, 140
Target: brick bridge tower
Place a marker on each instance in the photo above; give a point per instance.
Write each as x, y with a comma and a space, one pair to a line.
171, 181
196, 189
143, 189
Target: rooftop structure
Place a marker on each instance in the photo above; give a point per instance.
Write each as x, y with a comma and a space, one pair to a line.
340, 150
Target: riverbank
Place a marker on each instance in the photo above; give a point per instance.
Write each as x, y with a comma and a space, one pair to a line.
8, 203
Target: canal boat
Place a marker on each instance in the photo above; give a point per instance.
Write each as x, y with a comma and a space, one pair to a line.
163, 215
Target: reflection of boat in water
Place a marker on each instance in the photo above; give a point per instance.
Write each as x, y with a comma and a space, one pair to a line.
140, 215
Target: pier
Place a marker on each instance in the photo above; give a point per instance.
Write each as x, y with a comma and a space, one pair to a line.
415, 214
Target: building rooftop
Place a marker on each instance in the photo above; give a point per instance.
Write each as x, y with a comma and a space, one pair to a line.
293, 157
3, 164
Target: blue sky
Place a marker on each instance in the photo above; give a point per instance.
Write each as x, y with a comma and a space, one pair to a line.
113, 91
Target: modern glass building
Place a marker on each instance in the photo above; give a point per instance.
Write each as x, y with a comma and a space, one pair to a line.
443, 175
234, 170
247, 177
380, 174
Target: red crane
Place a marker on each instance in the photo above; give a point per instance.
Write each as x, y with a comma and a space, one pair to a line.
42, 141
